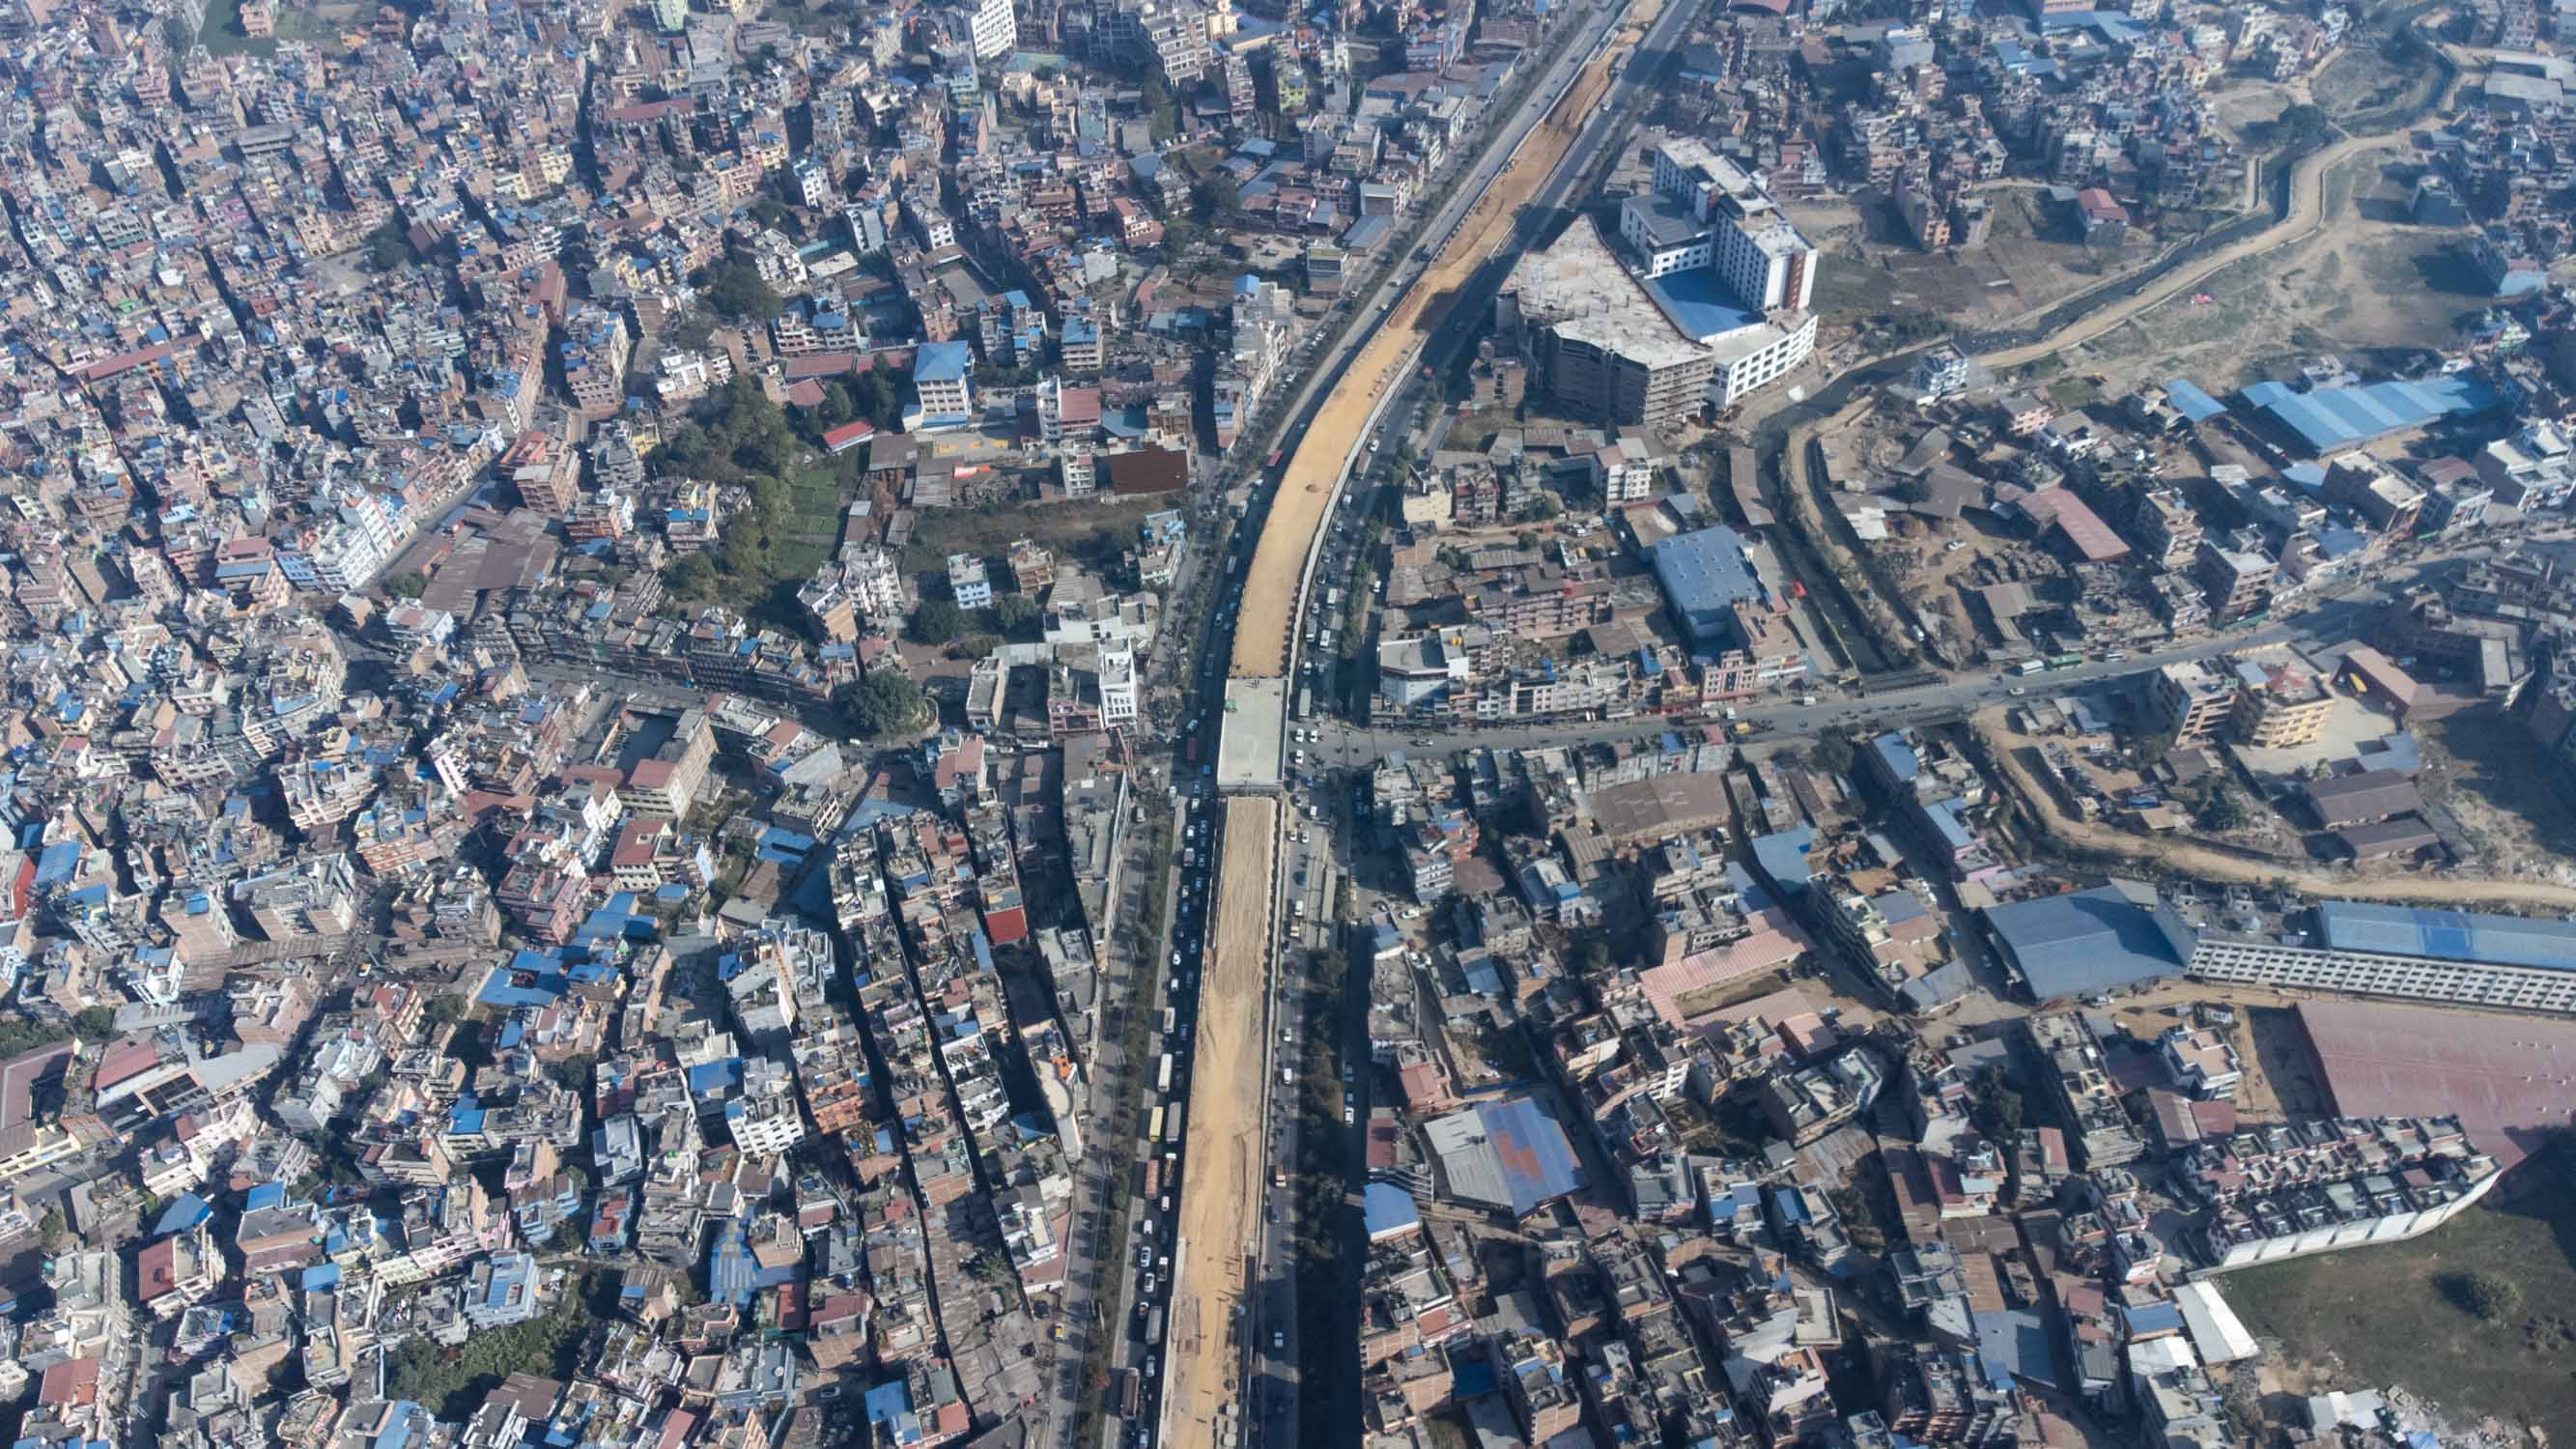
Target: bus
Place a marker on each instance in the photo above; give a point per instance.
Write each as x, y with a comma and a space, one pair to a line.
1154, 1125
1127, 1392
1163, 1074
1172, 1124
1154, 1326
2064, 661
1194, 749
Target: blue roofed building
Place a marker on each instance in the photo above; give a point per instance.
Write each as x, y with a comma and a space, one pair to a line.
2470, 957
2330, 419
943, 387
1704, 576
2103, 939
1387, 1211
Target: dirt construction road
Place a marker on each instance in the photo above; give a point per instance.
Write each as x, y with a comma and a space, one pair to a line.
1220, 1182
2307, 212
1270, 593
2217, 865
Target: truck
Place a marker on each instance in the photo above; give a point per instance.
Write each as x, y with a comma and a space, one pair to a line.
1154, 1126
1128, 1392
1154, 1325
2029, 666
1153, 1176
1172, 1124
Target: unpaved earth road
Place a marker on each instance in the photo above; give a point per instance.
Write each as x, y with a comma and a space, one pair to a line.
2202, 863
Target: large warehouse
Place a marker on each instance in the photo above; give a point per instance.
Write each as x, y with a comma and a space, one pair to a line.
2464, 957
2103, 939
2508, 1080
1504, 1156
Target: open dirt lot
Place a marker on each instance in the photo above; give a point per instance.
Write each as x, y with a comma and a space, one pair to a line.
2272, 307
2368, 280
2030, 261
2506, 791
1270, 590
1221, 1179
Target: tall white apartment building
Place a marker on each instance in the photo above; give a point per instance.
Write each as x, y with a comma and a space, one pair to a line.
996, 30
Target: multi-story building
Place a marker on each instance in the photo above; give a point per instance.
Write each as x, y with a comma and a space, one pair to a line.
969, 582
2279, 706
2191, 698
2467, 958
2236, 572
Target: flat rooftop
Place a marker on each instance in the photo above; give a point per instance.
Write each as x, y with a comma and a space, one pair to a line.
2508, 1079
1577, 286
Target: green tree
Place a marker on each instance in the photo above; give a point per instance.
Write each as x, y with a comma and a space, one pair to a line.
389, 246
692, 330
878, 400
2223, 810
95, 1023
574, 1072
1998, 1110
694, 580
406, 585
836, 408
1016, 615
1831, 753
884, 703
736, 293
51, 1227
2490, 1296
1218, 197
936, 621
2302, 127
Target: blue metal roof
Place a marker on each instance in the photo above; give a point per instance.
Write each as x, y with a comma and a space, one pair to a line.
2191, 402
2084, 941
2340, 417
941, 362
1699, 305
1385, 1208
2448, 935
1537, 1161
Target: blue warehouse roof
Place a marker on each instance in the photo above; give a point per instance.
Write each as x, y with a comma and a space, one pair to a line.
2448, 935
2084, 941
2342, 417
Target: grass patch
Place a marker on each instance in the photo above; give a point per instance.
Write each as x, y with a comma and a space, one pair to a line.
2073, 392
1846, 287
1092, 534
223, 34
2391, 1315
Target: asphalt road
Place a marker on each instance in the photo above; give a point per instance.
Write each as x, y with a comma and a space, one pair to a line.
1776, 719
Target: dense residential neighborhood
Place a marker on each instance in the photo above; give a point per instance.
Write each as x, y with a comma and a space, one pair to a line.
762, 724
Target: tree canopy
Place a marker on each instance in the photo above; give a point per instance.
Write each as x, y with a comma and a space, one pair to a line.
884, 703
736, 293
936, 621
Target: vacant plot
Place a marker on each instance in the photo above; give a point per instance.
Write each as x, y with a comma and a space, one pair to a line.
1093, 534
2365, 282
1222, 1168
2506, 790
2376, 1317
